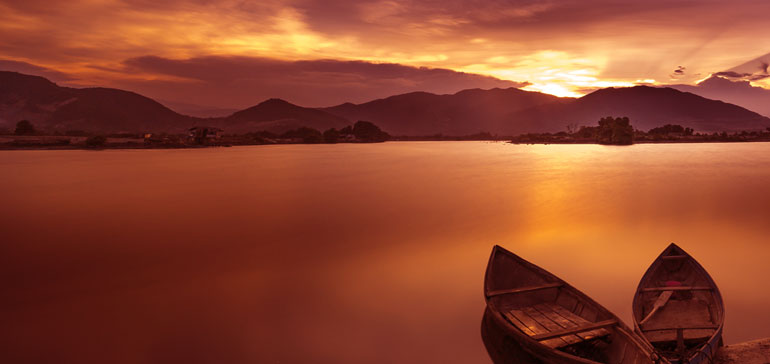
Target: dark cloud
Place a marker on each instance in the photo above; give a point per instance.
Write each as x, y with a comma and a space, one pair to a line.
753, 70
31, 69
678, 72
742, 76
243, 81
734, 85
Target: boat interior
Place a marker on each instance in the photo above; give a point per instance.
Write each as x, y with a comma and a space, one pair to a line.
676, 306
553, 314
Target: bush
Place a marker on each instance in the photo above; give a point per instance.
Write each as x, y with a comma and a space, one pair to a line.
616, 131
308, 135
24, 127
96, 141
671, 129
368, 132
331, 136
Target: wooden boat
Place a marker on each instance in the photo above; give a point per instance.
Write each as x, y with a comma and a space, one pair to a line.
501, 347
678, 308
553, 321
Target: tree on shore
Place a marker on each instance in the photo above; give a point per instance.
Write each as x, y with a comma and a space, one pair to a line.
671, 129
366, 131
616, 131
331, 136
24, 127
307, 135
96, 141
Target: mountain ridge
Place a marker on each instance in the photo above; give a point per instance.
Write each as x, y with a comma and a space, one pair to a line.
740, 93
647, 107
501, 111
464, 112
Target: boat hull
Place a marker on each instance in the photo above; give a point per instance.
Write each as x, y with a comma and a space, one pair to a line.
693, 315
523, 298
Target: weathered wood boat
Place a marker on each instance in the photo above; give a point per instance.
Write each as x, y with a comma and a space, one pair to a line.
553, 321
678, 308
501, 347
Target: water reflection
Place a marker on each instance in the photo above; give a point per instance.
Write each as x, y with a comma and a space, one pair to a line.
351, 253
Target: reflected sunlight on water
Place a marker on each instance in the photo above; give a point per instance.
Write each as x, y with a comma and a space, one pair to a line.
352, 253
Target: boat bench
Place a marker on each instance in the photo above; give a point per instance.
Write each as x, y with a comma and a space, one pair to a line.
685, 319
555, 326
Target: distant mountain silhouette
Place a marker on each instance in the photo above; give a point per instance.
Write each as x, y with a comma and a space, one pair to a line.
278, 116
52, 107
466, 112
500, 111
105, 110
201, 111
647, 107
513, 111
740, 93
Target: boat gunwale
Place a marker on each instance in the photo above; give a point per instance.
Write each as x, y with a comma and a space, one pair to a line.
619, 327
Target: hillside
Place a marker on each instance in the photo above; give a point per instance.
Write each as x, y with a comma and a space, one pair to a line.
55, 108
278, 116
740, 93
462, 113
499, 111
647, 107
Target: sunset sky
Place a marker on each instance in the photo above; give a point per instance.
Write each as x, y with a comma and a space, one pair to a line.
322, 52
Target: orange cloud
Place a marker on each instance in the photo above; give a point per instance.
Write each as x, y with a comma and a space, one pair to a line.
562, 47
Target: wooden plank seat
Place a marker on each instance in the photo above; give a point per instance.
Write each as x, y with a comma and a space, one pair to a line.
555, 326
691, 316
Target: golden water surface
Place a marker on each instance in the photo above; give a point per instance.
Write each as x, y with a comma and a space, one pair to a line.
352, 253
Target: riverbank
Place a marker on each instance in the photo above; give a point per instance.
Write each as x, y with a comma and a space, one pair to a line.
750, 352
589, 136
661, 141
121, 146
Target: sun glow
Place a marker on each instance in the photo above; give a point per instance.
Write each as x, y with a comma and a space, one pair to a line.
553, 89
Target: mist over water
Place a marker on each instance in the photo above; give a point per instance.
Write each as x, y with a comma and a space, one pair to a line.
352, 253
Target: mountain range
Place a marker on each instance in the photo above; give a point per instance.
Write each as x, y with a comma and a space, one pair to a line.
53, 107
508, 111
738, 92
463, 113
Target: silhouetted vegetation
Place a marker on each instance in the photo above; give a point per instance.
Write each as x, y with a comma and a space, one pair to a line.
24, 127
671, 129
306, 135
331, 136
367, 132
610, 131
442, 137
96, 141
124, 135
615, 131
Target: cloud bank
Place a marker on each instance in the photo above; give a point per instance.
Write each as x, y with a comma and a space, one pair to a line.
237, 81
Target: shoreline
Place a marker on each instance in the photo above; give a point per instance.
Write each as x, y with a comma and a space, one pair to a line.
8, 147
650, 142
749, 352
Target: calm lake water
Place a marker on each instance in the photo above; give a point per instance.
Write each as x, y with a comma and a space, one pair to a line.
352, 253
